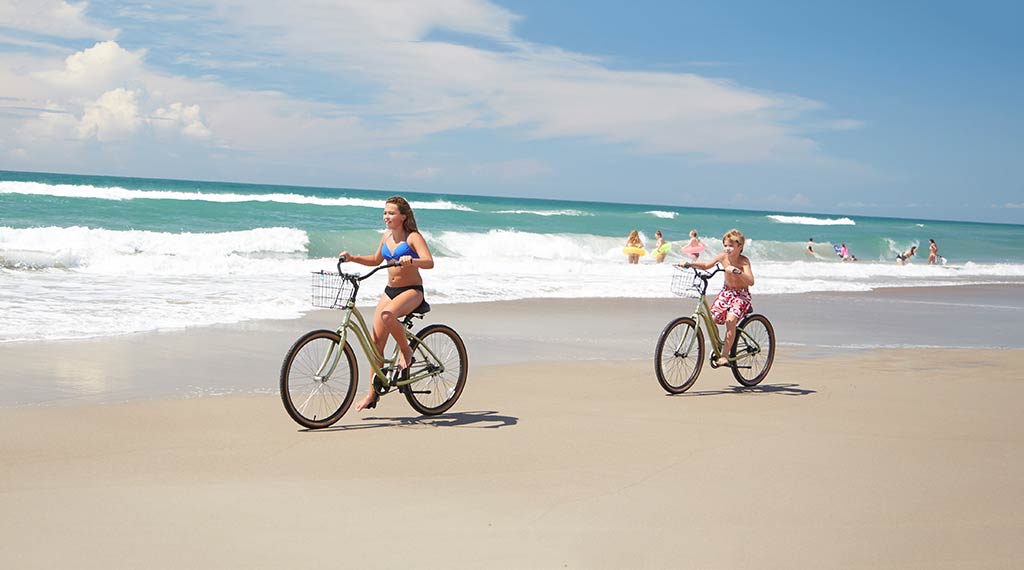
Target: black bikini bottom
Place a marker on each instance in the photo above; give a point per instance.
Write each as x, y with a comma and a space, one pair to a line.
393, 292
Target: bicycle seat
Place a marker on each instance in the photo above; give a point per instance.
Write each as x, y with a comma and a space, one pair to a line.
423, 309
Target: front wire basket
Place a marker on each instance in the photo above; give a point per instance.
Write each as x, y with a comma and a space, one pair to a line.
685, 282
330, 290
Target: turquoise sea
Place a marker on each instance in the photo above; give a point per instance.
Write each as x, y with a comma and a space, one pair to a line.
84, 256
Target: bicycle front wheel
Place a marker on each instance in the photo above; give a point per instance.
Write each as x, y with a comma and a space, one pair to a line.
754, 350
318, 379
439, 350
679, 355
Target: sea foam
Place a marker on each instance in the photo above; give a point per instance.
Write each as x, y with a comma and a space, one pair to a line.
118, 193
810, 221
73, 282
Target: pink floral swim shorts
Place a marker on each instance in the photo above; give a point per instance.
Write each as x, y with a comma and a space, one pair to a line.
735, 301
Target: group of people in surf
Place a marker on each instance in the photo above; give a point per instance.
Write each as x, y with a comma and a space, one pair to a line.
901, 258
841, 250
634, 249
933, 254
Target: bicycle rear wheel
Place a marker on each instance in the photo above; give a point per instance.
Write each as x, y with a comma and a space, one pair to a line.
754, 348
679, 355
439, 350
318, 379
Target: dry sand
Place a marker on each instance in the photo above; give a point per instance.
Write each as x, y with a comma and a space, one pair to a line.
894, 459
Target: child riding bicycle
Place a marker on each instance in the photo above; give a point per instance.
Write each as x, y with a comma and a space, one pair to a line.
733, 302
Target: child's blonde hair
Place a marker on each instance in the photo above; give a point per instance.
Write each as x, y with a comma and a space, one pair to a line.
736, 236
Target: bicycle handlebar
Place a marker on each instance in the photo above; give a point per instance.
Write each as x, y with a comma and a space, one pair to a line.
705, 275
356, 276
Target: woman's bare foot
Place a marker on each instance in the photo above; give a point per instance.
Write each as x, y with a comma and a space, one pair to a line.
404, 360
722, 361
370, 401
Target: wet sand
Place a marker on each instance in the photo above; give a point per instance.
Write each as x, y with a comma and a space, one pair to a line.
245, 358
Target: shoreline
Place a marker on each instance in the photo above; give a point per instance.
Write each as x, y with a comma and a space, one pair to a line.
246, 357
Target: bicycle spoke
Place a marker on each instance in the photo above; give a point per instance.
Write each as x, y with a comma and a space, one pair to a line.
674, 365
318, 379
754, 350
442, 358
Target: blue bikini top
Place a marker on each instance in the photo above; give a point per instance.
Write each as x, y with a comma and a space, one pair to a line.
402, 248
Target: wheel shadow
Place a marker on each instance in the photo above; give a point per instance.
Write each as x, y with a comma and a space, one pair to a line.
774, 389
474, 420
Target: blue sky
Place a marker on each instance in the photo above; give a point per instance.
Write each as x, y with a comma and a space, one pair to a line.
906, 109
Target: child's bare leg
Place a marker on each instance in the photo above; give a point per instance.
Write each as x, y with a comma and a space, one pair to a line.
730, 337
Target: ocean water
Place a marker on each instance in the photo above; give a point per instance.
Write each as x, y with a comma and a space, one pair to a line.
88, 256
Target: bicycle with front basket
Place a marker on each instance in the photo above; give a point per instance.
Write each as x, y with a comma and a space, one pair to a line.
319, 376
679, 354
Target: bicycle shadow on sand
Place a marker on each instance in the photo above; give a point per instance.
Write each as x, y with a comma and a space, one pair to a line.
474, 420
773, 389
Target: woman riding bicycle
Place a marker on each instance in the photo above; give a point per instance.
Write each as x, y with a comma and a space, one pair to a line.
403, 245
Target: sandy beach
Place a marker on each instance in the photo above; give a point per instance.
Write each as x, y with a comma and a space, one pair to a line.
563, 452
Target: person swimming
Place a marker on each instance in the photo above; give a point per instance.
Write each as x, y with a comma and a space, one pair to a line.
902, 258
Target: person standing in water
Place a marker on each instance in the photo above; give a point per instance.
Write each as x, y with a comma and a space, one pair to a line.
933, 252
810, 246
403, 246
633, 241
660, 242
694, 247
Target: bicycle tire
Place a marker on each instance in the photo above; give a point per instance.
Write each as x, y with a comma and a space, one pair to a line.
312, 401
753, 329
677, 372
437, 393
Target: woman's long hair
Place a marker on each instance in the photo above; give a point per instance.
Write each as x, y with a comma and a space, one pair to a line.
409, 224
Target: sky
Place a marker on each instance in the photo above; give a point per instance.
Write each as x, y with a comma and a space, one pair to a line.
879, 108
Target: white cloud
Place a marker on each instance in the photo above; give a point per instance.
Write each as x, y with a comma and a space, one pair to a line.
426, 87
185, 118
1014, 205
428, 172
518, 169
114, 116
857, 205
27, 43
744, 200
97, 69
54, 18
407, 83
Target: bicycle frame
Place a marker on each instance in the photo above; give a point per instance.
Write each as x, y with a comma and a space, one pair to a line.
702, 314
358, 327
